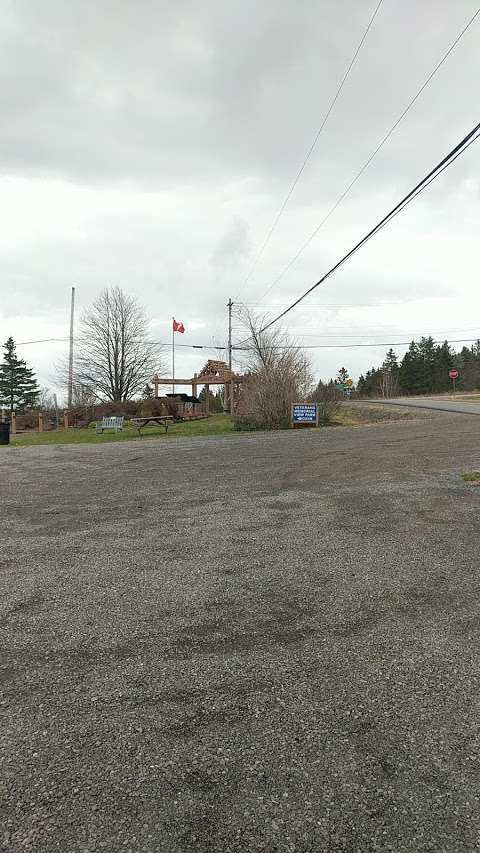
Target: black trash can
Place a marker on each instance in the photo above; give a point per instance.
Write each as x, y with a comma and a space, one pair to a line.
4, 433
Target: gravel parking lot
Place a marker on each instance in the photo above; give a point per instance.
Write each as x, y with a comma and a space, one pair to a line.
256, 643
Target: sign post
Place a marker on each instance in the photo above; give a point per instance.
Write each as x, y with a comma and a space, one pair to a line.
453, 374
304, 414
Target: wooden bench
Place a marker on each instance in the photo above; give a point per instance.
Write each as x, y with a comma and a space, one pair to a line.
161, 420
115, 423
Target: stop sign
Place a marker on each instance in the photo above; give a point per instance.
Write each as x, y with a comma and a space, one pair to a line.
453, 374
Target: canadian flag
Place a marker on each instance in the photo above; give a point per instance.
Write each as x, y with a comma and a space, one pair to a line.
178, 326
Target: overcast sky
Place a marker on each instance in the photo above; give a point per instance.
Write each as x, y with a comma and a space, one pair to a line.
149, 144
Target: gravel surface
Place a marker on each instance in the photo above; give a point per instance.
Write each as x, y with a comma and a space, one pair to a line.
251, 643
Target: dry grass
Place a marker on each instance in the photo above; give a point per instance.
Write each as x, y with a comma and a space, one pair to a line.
363, 413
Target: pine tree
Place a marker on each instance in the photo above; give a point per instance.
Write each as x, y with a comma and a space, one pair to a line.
215, 402
412, 374
18, 386
389, 375
342, 375
429, 354
218, 403
443, 363
374, 381
468, 365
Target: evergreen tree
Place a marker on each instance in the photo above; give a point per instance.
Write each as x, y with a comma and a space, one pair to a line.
215, 401
18, 386
467, 363
219, 401
428, 355
389, 375
443, 363
342, 375
373, 379
412, 376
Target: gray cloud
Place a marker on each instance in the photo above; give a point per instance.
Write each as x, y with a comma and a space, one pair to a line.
233, 246
165, 93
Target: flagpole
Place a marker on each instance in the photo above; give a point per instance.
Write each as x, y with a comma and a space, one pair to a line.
173, 355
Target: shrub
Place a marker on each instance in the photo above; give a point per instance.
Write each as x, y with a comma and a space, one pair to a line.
245, 423
249, 423
328, 400
277, 376
151, 407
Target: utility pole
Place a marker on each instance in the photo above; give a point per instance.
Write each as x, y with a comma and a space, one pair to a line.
173, 355
230, 306
56, 410
70, 354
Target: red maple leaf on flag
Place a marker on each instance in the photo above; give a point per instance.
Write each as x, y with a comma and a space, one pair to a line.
178, 326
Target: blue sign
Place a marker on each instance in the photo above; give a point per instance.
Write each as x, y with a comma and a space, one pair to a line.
304, 413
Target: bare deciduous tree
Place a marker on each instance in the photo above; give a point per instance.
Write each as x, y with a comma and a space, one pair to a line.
46, 400
114, 359
83, 395
278, 373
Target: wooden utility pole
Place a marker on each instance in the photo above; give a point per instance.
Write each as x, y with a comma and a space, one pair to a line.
70, 354
56, 410
230, 306
173, 355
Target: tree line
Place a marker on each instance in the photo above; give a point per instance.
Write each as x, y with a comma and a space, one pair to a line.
424, 369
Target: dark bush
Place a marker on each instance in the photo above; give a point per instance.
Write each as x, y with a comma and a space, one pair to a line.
151, 408
84, 415
250, 423
328, 400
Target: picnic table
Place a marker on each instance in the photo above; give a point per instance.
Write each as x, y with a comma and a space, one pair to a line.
161, 420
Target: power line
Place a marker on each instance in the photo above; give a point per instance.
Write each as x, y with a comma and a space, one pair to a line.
374, 153
286, 346
356, 346
153, 343
327, 305
309, 151
42, 341
450, 158
380, 335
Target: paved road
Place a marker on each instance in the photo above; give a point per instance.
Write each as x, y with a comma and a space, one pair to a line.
259, 643
462, 407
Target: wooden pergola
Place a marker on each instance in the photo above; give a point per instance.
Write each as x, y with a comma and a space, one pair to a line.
213, 373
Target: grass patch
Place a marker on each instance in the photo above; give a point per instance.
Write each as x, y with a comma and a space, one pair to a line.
346, 417
471, 477
215, 425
